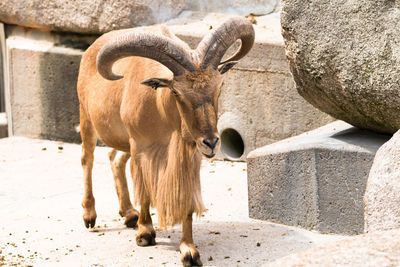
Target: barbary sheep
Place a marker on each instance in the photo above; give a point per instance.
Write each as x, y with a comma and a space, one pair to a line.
160, 110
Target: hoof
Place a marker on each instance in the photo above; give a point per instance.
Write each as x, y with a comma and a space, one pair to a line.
188, 260
131, 217
89, 218
146, 239
90, 223
131, 221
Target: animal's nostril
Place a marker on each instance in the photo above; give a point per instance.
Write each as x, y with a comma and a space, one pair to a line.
206, 142
211, 143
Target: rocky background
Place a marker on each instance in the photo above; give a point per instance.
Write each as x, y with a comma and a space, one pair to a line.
345, 58
44, 41
100, 16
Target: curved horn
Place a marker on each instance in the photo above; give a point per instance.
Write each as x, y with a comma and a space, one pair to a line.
214, 45
160, 48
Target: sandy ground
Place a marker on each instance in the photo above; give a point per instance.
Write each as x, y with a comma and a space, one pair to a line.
41, 216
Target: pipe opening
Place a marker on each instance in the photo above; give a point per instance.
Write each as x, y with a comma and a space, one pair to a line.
232, 144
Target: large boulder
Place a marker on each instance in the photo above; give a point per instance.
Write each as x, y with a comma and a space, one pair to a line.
345, 58
375, 249
99, 16
382, 196
94, 16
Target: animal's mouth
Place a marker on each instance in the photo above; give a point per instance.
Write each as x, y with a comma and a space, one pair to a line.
207, 152
209, 156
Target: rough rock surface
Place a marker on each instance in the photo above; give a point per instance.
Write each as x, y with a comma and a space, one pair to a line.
382, 196
99, 16
374, 249
345, 56
87, 16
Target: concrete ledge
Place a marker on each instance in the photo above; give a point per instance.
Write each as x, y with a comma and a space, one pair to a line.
315, 180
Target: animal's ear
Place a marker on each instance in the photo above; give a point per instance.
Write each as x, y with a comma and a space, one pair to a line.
227, 66
155, 83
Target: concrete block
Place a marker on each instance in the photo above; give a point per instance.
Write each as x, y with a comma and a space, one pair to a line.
259, 103
43, 75
315, 180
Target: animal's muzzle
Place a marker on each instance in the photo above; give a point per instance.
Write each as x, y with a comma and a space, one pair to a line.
211, 143
209, 146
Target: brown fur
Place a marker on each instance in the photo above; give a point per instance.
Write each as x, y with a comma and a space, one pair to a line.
169, 177
131, 117
162, 130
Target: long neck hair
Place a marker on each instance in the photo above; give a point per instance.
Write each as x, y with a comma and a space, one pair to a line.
171, 177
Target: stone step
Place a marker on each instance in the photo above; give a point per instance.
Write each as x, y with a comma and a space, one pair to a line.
259, 103
315, 180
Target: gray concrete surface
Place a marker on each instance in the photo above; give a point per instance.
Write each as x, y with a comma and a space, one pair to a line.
315, 180
41, 225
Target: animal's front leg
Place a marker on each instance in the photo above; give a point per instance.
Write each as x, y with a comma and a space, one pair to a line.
146, 235
190, 254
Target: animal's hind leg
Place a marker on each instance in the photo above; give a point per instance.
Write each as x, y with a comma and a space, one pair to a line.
146, 235
89, 140
118, 166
